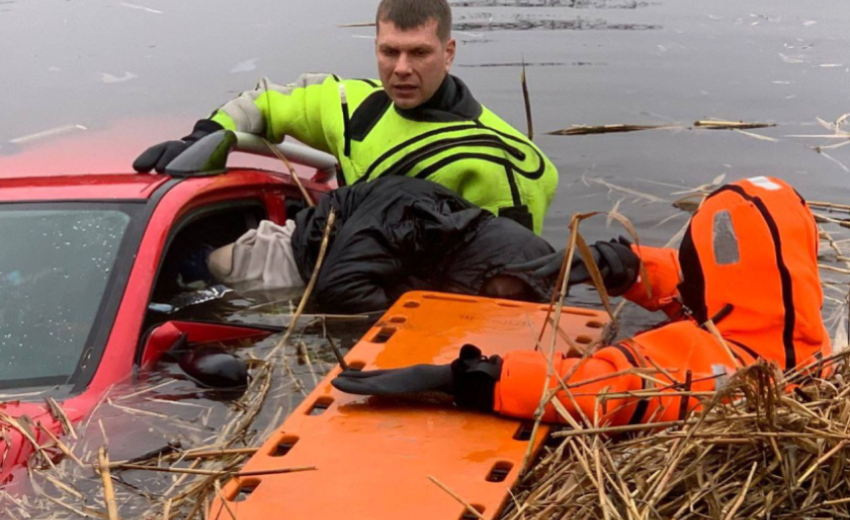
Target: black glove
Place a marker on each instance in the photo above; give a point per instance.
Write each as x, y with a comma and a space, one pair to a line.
617, 262
470, 379
159, 155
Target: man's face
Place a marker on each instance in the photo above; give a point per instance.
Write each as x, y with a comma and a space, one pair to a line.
413, 63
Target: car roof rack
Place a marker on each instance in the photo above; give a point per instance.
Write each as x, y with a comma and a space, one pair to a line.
209, 155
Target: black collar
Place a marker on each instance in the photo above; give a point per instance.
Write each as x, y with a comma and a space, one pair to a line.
452, 102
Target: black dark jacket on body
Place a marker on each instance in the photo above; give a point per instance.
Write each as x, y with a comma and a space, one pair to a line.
399, 234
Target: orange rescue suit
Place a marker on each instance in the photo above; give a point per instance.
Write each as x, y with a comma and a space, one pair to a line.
748, 262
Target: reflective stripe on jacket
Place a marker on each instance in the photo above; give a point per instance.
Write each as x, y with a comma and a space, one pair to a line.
452, 139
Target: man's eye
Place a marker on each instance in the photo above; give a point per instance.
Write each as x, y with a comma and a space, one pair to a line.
420, 53
390, 53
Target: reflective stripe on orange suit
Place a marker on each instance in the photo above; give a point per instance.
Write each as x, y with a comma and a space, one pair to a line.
677, 348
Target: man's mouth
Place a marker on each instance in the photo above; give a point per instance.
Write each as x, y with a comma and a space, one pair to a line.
405, 88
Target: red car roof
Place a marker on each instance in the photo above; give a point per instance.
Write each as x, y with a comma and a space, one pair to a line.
80, 187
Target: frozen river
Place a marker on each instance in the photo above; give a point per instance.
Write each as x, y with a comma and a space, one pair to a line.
112, 77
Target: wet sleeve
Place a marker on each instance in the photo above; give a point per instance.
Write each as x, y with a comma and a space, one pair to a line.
275, 111
347, 289
360, 272
659, 290
518, 392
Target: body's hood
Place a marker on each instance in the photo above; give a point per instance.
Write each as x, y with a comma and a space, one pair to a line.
749, 262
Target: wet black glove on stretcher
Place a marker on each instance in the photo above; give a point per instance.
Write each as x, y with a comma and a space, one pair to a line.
617, 263
470, 379
159, 155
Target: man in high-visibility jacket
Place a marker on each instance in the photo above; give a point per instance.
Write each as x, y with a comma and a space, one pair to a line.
747, 265
418, 120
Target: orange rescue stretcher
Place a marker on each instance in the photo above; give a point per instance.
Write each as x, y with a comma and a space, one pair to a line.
374, 456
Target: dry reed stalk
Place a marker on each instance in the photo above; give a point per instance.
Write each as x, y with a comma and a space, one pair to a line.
84, 512
191, 455
59, 414
527, 102
829, 205
840, 270
549, 396
21, 425
108, 490
563, 277
310, 285
60, 485
304, 354
166, 510
628, 371
199, 503
223, 500
595, 274
608, 129
746, 457
292, 173
712, 328
62, 447
337, 352
455, 496
212, 473
24, 425
181, 478
141, 392
194, 491
135, 411
573, 346
730, 125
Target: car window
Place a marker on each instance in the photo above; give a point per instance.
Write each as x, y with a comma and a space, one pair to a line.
54, 270
176, 293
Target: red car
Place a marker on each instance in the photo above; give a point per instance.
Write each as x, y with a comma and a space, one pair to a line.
84, 256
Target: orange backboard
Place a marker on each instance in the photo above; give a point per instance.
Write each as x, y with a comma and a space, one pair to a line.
374, 454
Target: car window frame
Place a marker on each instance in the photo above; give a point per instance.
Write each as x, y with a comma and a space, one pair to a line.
192, 216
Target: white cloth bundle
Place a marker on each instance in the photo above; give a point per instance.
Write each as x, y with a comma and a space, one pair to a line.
261, 259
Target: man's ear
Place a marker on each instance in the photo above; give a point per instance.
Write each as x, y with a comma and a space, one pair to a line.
451, 47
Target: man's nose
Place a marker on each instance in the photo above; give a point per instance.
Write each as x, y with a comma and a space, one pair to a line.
402, 66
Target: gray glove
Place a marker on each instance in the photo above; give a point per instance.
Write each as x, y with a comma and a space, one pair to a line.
617, 263
470, 379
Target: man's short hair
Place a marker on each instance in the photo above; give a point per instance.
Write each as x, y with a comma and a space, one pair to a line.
409, 14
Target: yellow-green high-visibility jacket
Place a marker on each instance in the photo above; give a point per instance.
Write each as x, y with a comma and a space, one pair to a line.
451, 139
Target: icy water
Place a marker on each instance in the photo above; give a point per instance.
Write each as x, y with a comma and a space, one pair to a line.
85, 86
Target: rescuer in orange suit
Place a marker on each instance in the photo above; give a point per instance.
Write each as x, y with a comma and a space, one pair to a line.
748, 263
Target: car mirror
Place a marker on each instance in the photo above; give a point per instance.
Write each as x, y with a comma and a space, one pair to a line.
213, 366
209, 365
208, 156
168, 336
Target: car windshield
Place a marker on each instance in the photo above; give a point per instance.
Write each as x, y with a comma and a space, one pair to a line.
55, 268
